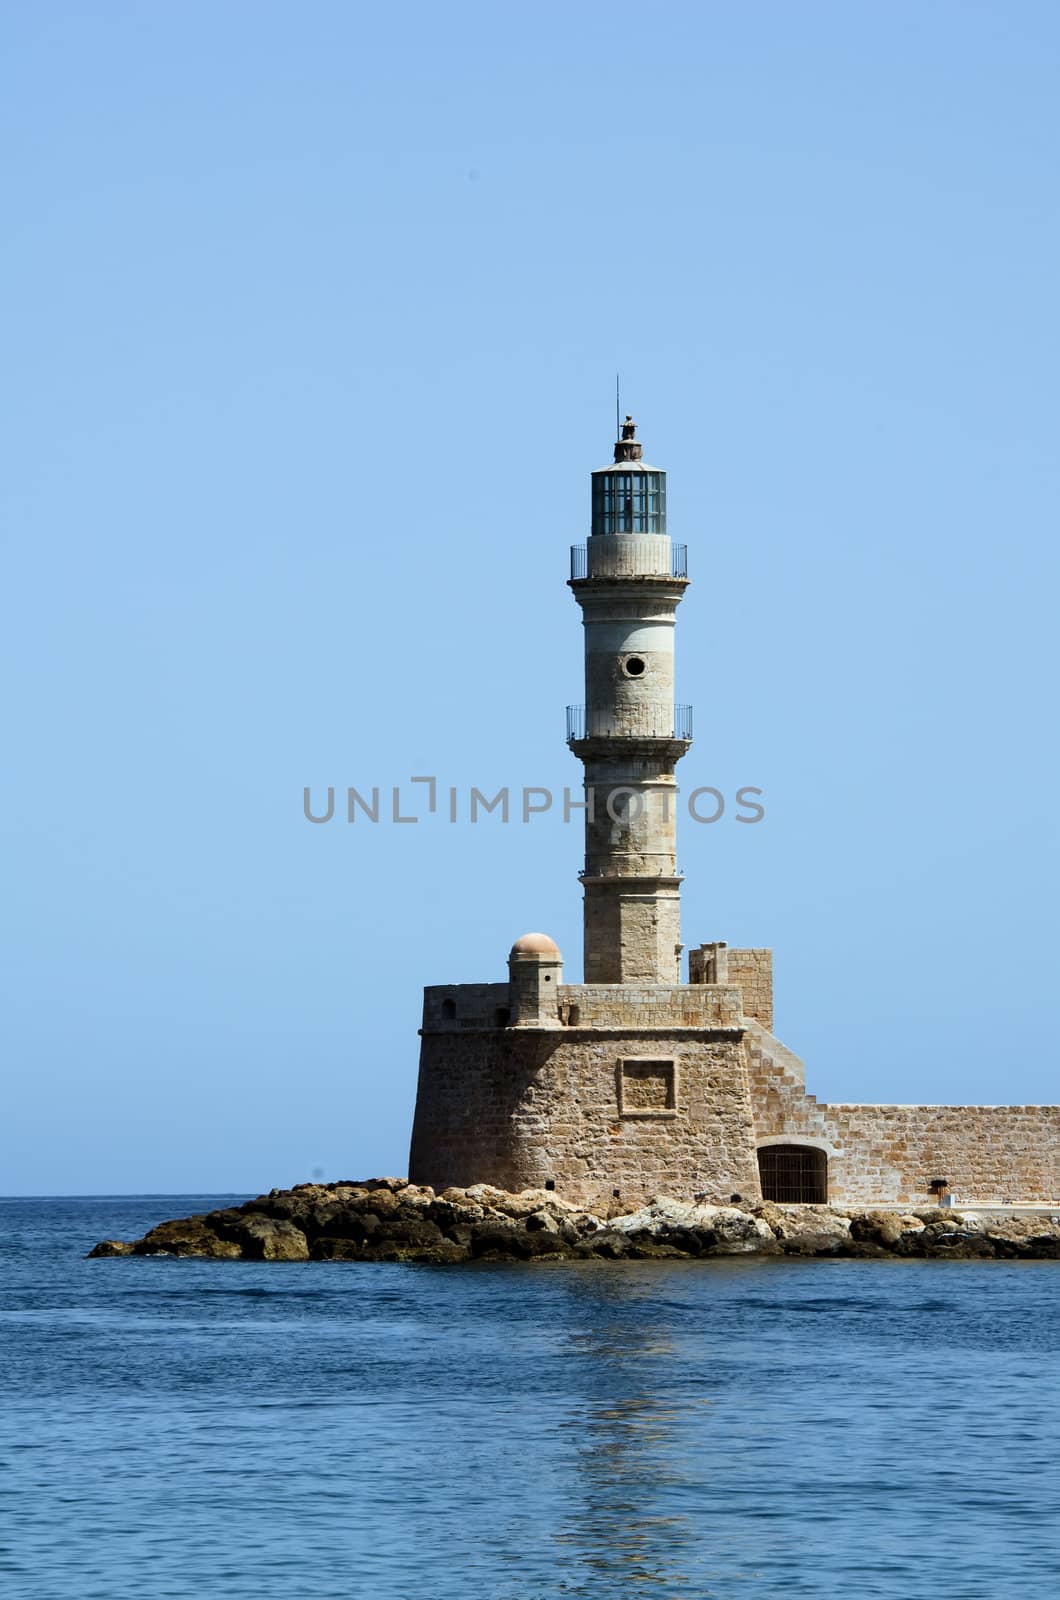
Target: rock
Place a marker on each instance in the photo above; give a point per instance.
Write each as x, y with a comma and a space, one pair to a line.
546, 1242
1044, 1246
866, 1250
498, 1237
1015, 1229
697, 1229
442, 1252
813, 1231
770, 1213
544, 1199
644, 1249
739, 1234
339, 1220
662, 1215
192, 1236
963, 1246
389, 1219
611, 1243
329, 1249
485, 1194
455, 1221
934, 1235
522, 1204
970, 1222
876, 1227
272, 1239
416, 1232
542, 1221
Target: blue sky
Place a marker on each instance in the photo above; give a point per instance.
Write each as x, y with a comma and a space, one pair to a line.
313, 315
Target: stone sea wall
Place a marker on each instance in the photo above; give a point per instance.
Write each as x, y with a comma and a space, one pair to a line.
890, 1155
387, 1219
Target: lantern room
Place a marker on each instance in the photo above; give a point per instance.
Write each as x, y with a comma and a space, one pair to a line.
630, 496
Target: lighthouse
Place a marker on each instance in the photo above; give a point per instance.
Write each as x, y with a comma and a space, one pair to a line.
631, 1082
629, 579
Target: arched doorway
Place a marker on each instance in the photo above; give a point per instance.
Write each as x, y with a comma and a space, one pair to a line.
793, 1174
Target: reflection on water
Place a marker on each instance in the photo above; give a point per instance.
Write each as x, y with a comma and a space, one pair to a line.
627, 1459
626, 1456
240, 1431
624, 1525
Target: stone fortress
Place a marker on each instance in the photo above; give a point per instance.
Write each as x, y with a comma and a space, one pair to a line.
634, 1083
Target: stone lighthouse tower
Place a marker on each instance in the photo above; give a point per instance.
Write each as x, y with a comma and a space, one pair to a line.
628, 580
630, 1083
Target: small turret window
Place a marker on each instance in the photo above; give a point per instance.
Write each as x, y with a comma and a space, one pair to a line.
634, 666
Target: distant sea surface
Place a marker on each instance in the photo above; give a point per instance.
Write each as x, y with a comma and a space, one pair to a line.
736, 1428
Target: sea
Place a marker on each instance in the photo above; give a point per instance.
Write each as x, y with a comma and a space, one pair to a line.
741, 1428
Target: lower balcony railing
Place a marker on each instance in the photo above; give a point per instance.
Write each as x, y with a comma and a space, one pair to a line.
627, 557
632, 722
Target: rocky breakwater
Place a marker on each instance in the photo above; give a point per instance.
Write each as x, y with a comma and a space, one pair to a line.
387, 1219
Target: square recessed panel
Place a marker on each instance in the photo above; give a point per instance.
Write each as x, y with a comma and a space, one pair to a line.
647, 1087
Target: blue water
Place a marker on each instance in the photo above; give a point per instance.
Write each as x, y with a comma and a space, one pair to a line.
723, 1428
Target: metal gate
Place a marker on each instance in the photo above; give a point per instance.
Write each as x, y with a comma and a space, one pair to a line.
793, 1174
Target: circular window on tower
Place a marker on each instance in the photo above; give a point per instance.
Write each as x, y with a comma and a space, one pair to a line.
634, 666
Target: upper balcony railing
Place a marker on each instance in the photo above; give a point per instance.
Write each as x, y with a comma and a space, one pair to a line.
625, 556
632, 722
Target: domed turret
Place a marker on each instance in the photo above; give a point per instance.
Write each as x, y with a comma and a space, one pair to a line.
535, 972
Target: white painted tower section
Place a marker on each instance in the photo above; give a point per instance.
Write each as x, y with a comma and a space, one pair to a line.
629, 582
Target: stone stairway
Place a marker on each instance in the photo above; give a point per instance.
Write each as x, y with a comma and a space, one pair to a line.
778, 1079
